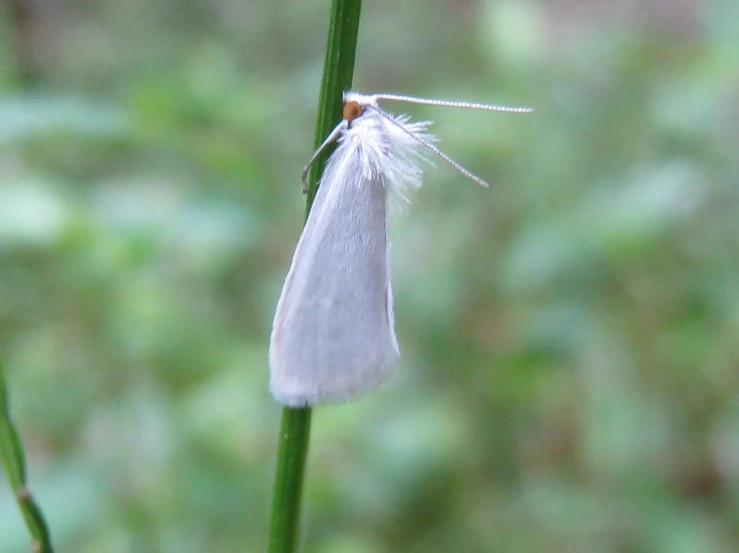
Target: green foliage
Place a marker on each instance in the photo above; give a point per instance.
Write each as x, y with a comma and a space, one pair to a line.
294, 434
14, 462
568, 371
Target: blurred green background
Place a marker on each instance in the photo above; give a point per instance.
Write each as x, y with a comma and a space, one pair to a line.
569, 378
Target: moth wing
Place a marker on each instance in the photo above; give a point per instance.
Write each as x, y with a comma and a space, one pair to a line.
333, 336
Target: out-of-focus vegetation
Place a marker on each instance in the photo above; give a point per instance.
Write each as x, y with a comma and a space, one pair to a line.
570, 371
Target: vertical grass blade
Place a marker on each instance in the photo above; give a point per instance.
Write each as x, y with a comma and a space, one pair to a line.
338, 70
14, 460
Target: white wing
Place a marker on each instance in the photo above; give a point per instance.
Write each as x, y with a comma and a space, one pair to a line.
333, 336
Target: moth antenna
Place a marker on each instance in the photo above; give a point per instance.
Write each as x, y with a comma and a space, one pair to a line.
433, 149
453, 104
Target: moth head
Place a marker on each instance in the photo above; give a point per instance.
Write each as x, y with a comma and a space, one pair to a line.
352, 110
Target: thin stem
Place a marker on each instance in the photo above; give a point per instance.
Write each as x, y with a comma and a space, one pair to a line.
338, 70
14, 459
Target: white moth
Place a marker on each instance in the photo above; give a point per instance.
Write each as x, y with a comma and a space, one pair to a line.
333, 336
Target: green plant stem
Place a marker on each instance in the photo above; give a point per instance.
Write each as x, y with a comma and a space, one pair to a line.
14, 460
338, 70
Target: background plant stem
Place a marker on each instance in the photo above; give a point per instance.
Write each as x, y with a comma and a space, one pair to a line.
14, 459
338, 70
